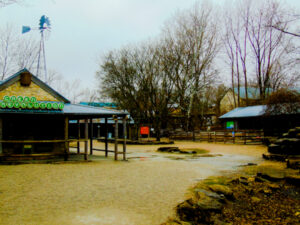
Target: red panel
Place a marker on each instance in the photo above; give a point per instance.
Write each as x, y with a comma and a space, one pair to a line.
145, 130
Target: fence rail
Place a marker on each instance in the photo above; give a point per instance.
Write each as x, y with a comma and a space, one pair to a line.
239, 136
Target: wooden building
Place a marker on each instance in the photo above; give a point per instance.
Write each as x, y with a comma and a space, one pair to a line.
34, 120
227, 103
255, 118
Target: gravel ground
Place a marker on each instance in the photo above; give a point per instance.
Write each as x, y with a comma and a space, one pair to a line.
144, 190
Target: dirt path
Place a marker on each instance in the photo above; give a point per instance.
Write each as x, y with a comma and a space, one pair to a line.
143, 190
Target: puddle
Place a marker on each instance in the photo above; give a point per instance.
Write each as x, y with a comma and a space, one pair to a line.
222, 161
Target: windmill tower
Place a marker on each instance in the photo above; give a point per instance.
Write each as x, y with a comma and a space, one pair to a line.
44, 25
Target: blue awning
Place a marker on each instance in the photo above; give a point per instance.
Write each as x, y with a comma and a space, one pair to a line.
250, 111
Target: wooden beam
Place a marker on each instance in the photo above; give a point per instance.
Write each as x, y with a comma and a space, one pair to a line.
66, 138
106, 138
124, 137
42, 141
91, 136
86, 136
78, 143
116, 136
1, 135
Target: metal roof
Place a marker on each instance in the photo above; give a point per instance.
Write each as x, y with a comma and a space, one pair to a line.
250, 111
100, 104
253, 93
70, 110
77, 109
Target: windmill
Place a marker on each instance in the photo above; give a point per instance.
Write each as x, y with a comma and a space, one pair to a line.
44, 25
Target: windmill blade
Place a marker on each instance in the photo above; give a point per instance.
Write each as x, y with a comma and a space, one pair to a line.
25, 29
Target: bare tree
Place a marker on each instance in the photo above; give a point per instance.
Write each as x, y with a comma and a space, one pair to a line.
4, 3
70, 89
283, 101
195, 36
255, 48
8, 52
16, 52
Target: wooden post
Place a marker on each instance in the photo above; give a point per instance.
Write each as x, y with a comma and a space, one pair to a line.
130, 132
91, 136
106, 141
245, 137
98, 131
224, 137
78, 142
1, 135
116, 137
86, 136
194, 138
124, 137
215, 136
66, 153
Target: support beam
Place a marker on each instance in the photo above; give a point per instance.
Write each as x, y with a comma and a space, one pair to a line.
124, 137
86, 136
78, 143
1, 135
116, 136
106, 141
66, 151
91, 136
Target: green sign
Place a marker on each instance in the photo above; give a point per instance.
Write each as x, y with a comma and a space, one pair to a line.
26, 102
229, 124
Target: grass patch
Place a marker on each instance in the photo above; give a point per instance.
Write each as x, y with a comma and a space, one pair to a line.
197, 150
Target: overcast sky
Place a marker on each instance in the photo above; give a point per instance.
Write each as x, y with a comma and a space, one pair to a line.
84, 29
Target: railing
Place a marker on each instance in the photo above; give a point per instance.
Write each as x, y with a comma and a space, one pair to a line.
225, 136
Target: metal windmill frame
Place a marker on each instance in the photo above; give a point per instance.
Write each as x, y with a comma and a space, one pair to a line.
44, 25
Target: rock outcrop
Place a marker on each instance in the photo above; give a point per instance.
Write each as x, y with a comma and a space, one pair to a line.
286, 148
268, 196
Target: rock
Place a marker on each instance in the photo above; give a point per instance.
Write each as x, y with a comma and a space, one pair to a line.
251, 179
209, 155
208, 201
211, 205
187, 211
273, 186
274, 148
293, 163
249, 164
271, 176
243, 180
199, 209
293, 179
176, 222
293, 133
215, 219
210, 194
267, 191
168, 149
221, 189
255, 199
277, 157
172, 222
260, 179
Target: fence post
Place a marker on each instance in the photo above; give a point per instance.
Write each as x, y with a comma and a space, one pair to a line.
116, 137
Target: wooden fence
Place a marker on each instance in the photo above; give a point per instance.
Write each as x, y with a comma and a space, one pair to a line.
224, 136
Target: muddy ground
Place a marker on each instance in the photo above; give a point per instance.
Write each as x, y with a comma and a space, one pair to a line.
143, 190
